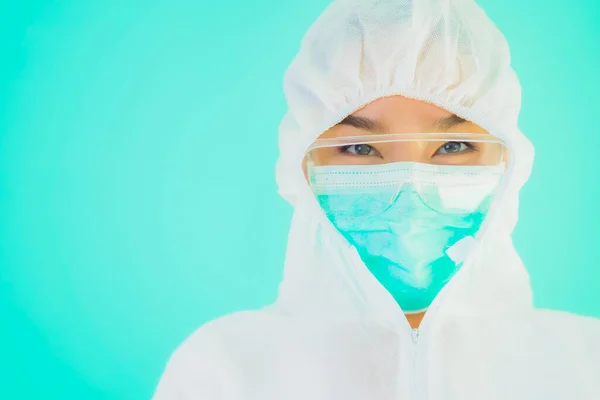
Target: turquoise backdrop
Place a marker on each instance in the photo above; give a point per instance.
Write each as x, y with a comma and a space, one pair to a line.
137, 194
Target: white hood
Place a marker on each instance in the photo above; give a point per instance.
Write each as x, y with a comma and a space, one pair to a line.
445, 52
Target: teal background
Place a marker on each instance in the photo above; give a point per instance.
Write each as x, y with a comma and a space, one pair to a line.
137, 194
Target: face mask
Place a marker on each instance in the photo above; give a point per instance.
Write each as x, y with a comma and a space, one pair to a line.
402, 218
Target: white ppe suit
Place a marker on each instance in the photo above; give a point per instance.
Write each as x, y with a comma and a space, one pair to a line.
334, 332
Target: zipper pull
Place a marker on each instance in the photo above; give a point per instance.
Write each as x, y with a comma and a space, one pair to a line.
415, 335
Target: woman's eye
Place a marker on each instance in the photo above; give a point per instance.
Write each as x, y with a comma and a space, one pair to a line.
360, 150
454, 148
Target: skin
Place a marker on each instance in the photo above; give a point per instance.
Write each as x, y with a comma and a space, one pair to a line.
400, 115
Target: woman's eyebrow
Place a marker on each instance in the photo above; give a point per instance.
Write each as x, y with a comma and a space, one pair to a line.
363, 123
448, 122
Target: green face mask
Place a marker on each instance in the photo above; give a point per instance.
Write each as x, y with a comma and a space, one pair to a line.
403, 231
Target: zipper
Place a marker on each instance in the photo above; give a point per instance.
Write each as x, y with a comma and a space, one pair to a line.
415, 335
412, 375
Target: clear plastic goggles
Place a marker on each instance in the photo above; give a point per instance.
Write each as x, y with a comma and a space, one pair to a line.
449, 172
467, 149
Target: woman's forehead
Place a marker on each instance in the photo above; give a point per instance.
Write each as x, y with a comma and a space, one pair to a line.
395, 106
399, 114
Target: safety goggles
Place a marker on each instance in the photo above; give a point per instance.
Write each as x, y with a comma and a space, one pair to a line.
450, 172
467, 149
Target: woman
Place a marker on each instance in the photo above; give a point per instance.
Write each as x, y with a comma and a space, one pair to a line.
402, 156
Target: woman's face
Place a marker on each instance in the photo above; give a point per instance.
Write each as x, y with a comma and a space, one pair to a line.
401, 115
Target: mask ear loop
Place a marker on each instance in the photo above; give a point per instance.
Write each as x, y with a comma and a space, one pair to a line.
306, 190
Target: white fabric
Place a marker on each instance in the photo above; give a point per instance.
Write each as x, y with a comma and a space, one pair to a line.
458, 253
334, 332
